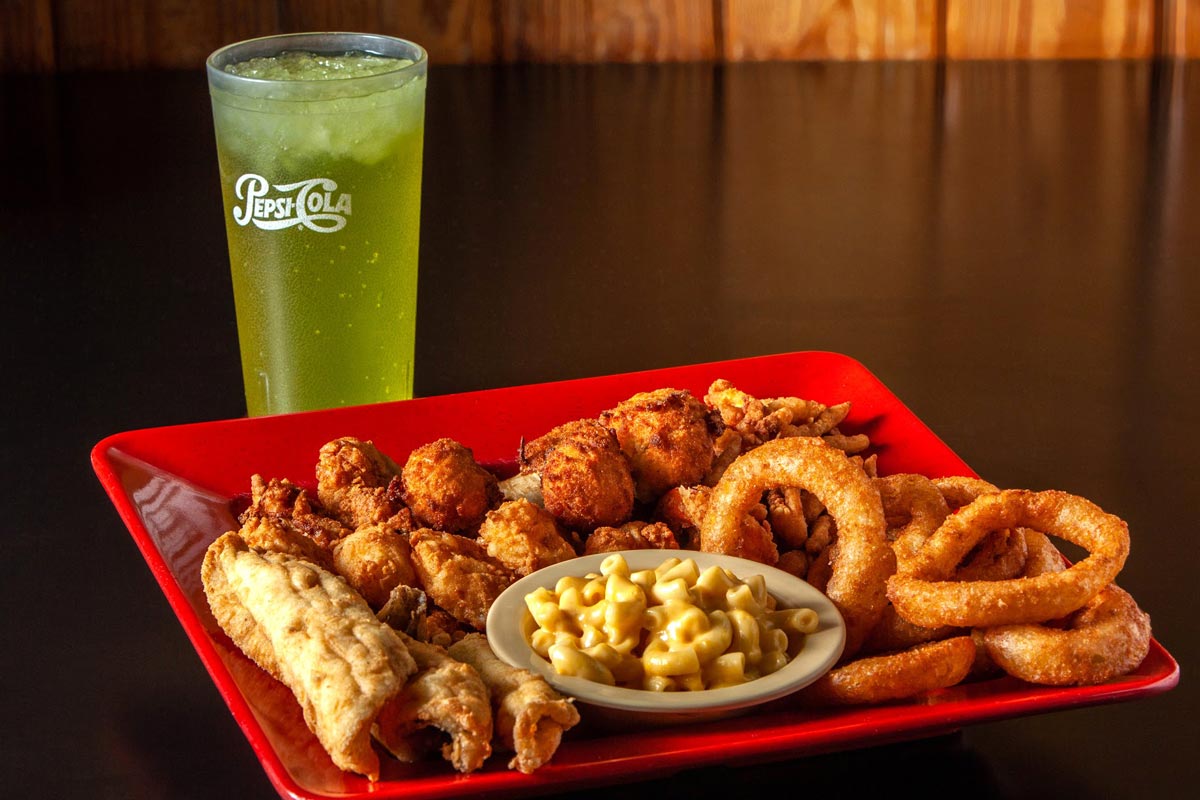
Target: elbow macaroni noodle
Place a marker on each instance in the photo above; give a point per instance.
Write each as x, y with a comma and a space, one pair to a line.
667, 629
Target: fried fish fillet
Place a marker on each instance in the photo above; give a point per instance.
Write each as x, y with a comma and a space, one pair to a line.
530, 717
307, 628
446, 695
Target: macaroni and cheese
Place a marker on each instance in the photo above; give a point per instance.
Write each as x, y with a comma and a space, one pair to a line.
666, 629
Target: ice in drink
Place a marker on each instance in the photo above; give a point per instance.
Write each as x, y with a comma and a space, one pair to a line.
320, 158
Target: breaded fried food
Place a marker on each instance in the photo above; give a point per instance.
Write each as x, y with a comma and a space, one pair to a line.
667, 435
405, 610
683, 508
279, 535
524, 537
746, 414
289, 506
312, 632
360, 485
458, 574
530, 718
636, 535
586, 480
445, 487
374, 560
446, 696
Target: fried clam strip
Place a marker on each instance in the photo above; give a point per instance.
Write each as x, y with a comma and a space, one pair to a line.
445, 695
923, 593
878, 679
530, 716
1108, 637
862, 558
307, 628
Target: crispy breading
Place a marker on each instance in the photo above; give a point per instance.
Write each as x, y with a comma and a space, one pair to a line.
586, 480
459, 575
667, 435
446, 695
278, 536
285, 505
374, 560
524, 537
530, 717
445, 487
360, 485
634, 535
311, 631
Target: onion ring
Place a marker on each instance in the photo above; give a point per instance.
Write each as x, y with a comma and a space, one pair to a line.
877, 679
958, 490
861, 560
916, 499
1041, 555
1109, 637
923, 593
894, 632
1000, 556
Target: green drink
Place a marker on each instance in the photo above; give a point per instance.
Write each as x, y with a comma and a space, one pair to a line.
319, 139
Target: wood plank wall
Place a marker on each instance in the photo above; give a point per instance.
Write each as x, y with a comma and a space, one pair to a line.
74, 35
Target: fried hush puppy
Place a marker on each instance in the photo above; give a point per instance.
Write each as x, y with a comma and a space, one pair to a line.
374, 560
586, 480
524, 537
446, 489
360, 485
667, 435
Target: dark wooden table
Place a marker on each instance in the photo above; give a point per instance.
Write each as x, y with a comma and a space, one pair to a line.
1012, 248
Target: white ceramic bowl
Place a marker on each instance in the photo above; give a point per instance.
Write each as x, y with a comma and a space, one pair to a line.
506, 622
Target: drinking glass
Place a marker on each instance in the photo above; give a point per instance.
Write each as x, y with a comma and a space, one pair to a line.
320, 160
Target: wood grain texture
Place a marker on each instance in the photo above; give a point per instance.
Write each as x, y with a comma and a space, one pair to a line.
131, 34
452, 31
1181, 28
767, 30
27, 36
606, 30
1002, 29
76, 35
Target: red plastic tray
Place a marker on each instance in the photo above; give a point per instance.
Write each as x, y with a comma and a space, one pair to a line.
172, 486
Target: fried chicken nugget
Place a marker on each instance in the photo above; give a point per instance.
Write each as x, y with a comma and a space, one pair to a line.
446, 489
524, 537
286, 505
444, 695
667, 435
586, 480
458, 574
530, 717
634, 535
313, 633
683, 508
277, 535
374, 560
360, 485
